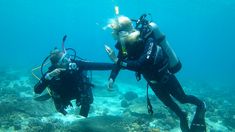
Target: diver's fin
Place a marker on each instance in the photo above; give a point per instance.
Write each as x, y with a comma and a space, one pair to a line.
43, 97
198, 127
198, 124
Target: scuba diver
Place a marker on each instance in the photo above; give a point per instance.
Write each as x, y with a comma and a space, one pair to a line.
145, 50
67, 79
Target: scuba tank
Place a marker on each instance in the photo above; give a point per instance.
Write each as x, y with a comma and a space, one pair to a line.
174, 62
148, 28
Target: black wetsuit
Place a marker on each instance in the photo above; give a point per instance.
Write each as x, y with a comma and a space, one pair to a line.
72, 84
148, 59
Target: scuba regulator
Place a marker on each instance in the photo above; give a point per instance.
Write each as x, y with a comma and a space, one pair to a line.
142, 24
71, 65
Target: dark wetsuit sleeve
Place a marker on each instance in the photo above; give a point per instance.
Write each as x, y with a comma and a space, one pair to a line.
145, 58
41, 85
87, 65
114, 72
116, 68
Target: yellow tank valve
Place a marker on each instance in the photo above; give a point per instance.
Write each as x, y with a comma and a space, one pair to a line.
116, 8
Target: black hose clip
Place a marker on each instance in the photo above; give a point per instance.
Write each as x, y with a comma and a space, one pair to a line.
149, 105
143, 20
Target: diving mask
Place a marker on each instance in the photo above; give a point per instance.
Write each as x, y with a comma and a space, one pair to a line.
64, 59
123, 34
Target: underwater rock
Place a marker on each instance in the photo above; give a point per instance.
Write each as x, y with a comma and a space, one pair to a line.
17, 127
171, 122
214, 118
99, 124
155, 130
38, 126
124, 103
6, 108
135, 127
101, 91
229, 122
130, 96
138, 109
40, 109
25, 106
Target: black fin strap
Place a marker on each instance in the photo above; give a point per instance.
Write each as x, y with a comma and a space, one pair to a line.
149, 105
138, 76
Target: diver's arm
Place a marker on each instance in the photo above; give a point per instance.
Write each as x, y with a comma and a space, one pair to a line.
112, 77
44, 81
116, 68
114, 72
87, 65
145, 58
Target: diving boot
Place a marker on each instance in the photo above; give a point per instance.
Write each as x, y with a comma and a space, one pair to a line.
184, 123
198, 123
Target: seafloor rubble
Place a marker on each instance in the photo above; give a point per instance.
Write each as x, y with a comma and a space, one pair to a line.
121, 110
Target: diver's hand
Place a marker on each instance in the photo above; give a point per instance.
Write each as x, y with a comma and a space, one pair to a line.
110, 85
111, 54
55, 72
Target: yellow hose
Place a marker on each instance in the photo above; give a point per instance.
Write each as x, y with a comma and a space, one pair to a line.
34, 69
116, 9
34, 75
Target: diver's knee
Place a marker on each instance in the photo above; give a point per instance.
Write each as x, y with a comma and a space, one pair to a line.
183, 99
202, 106
86, 100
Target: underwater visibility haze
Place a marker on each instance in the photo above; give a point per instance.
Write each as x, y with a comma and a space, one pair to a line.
201, 32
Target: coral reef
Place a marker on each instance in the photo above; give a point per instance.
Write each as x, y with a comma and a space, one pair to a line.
122, 110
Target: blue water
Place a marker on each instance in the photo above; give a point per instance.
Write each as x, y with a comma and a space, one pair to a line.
200, 31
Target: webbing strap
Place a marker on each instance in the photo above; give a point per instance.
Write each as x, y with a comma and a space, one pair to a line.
149, 105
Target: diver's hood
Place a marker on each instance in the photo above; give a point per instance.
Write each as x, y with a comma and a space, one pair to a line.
55, 56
